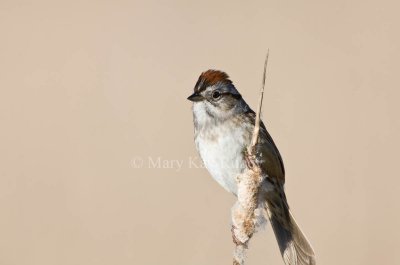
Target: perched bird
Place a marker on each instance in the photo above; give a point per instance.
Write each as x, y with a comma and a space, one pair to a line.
223, 125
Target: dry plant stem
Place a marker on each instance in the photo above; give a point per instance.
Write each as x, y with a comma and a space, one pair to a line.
249, 182
258, 114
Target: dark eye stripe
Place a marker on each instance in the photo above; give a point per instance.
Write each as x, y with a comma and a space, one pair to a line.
213, 102
236, 96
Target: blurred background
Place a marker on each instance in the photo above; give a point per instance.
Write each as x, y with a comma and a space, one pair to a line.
94, 120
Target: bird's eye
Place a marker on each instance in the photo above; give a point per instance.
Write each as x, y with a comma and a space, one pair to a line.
216, 95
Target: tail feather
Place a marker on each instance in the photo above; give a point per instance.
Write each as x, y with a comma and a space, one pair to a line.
293, 244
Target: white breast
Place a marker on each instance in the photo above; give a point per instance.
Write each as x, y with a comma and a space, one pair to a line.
221, 148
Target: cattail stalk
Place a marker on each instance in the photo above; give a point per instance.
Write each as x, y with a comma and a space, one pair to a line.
243, 212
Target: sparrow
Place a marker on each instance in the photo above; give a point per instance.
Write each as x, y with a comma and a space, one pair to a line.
223, 128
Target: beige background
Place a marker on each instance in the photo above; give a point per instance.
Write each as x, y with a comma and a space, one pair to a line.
87, 89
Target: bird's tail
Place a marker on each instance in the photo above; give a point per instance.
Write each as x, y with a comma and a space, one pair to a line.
293, 244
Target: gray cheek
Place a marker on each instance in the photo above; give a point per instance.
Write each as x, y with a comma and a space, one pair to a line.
211, 110
227, 103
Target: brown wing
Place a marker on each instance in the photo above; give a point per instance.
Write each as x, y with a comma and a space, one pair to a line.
271, 160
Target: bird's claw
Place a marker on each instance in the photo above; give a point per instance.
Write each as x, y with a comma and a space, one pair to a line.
249, 161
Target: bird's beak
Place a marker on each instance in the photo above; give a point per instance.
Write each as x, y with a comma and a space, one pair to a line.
195, 97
